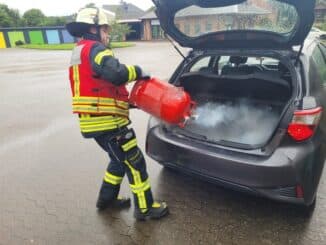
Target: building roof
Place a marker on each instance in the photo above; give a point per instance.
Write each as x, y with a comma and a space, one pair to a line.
253, 10
197, 11
149, 15
125, 11
236, 9
110, 15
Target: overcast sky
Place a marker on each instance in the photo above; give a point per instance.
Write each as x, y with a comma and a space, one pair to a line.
65, 7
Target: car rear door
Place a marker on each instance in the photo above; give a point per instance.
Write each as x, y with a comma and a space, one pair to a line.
236, 23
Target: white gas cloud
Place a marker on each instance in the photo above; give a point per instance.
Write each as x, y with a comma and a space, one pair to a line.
241, 122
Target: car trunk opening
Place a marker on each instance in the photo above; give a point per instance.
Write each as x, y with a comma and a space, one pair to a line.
241, 109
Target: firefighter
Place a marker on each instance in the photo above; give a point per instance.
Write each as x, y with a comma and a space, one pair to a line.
100, 98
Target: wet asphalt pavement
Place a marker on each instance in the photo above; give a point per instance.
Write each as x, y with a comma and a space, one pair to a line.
50, 175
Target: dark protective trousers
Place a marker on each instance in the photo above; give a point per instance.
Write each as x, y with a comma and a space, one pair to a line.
126, 157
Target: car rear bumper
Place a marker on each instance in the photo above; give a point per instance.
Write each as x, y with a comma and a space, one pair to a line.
287, 194
276, 176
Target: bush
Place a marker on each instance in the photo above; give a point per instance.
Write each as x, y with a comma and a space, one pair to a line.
265, 23
19, 42
119, 31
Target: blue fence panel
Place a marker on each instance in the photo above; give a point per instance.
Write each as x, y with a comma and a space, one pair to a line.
67, 38
53, 36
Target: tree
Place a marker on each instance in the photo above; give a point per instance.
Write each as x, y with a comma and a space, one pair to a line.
9, 17
15, 16
55, 21
5, 20
119, 31
33, 17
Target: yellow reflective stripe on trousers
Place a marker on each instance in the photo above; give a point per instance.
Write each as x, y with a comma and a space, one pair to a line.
141, 188
76, 78
132, 143
132, 158
100, 101
112, 179
99, 57
132, 75
137, 182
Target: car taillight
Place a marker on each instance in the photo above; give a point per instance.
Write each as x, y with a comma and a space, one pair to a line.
299, 191
304, 123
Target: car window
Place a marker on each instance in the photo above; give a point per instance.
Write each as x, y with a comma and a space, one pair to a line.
262, 61
319, 59
224, 60
263, 15
206, 64
200, 64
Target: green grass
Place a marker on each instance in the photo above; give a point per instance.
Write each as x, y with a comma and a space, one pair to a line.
121, 44
69, 46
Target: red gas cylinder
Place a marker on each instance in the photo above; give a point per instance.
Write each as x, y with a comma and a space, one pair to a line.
163, 100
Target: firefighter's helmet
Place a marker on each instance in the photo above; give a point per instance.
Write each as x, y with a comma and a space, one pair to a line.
87, 17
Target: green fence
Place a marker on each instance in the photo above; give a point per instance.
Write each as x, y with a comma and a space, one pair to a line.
11, 37
36, 37
15, 36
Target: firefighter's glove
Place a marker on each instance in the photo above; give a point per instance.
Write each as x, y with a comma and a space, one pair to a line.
142, 74
145, 75
131, 106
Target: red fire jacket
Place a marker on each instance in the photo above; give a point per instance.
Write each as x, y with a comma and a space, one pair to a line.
91, 94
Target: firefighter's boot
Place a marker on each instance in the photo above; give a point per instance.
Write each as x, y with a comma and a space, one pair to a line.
157, 211
119, 203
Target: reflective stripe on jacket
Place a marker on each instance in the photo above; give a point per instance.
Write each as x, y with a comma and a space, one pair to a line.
90, 124
91, 94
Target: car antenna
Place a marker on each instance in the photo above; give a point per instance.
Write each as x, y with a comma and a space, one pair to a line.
298, 56
176, 48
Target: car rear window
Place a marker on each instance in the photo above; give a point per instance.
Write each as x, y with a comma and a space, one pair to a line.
216, 64
262, 15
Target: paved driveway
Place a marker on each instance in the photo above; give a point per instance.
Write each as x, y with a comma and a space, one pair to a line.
50, 175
